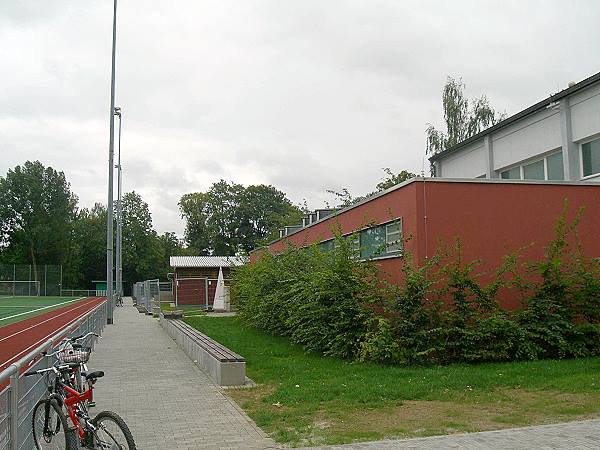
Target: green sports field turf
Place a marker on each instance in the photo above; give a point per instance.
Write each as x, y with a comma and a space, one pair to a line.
15, 309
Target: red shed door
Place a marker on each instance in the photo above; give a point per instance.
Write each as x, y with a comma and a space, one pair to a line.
212, 289
191, 291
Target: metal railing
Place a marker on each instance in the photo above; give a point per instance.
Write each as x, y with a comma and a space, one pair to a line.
145, 292
19, 396
166, 286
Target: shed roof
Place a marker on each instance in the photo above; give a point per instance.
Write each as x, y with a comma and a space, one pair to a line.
206, 261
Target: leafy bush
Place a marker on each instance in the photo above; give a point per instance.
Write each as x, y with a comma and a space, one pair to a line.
321, 300
379, 344
441, 312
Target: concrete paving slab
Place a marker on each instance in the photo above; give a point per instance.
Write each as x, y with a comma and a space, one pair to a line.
581, 435
166, 400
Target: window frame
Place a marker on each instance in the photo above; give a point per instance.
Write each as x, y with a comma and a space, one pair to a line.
544, 168
546, 165
581, 144
358, 240
522, 165
355, 243
398, 240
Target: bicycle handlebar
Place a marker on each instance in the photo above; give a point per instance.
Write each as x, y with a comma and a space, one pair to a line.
56, 369
41, 371
70, 341
82, 336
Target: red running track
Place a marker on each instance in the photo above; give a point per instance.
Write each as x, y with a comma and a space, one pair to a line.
18, 339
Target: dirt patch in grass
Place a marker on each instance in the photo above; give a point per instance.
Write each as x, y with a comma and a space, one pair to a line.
250, 395
489, 411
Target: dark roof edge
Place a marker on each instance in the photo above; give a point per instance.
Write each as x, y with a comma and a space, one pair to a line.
526, 112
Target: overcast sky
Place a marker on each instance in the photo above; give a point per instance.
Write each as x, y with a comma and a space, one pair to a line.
305, 95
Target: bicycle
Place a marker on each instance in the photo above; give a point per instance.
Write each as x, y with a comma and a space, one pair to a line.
50, 424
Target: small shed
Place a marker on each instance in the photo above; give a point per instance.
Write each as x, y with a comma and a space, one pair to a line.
100, 287
195, 277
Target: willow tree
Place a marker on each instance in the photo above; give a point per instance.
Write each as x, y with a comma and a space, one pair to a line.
463, 118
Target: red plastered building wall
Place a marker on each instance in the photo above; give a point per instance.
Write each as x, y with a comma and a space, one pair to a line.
491, 219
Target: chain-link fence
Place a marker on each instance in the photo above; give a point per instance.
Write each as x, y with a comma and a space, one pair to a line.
82, 293
47, 277
19, 288
18, 395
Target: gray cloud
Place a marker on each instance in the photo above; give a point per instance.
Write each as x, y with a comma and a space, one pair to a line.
306, 95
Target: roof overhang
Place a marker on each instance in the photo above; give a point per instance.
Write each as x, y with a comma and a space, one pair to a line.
526, 112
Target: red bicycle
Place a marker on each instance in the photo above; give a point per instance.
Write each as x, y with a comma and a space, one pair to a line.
53, 429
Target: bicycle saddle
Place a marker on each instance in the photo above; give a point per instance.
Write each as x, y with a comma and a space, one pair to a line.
94, 375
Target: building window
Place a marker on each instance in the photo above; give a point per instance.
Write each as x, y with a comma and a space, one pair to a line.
554, 164
326, 246
534, 171
511, 174
355, 242
590, 154
374, 242
382, 240
548, 168
392, 238
353, 239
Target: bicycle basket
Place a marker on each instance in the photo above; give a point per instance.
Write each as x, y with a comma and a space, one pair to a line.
70, 355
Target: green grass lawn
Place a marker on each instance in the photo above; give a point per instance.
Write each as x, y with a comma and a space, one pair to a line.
27, 307
307, 399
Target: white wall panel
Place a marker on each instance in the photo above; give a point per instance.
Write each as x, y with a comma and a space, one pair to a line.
532, 136
585, 117
467, 163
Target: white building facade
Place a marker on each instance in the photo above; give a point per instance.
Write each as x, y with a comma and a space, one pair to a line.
555, 139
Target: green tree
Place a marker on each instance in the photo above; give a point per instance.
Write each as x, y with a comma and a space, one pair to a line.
262, 210
171, 244
37, 209
392, 179
344, 197
192, 208
462, 118
230, 218
143, 256
90, 238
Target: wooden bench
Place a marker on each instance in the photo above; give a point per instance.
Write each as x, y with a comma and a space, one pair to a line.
225, 367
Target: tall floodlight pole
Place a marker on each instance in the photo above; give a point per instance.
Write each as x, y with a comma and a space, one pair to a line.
111, 154
119, 256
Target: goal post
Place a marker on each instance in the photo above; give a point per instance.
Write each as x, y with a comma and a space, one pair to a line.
19, 288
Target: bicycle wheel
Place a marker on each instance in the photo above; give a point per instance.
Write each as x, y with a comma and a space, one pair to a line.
49, 426
112, 432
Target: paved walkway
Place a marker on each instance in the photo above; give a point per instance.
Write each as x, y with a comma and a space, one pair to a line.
167, 402
568, 436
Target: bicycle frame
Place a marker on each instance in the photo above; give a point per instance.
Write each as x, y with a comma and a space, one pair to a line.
73, 398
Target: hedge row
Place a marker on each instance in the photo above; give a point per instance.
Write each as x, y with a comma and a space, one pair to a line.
331, 303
